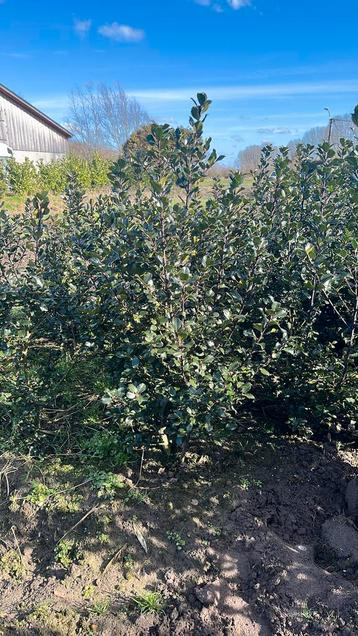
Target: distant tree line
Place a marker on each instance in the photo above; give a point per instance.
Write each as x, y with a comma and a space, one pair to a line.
343, 126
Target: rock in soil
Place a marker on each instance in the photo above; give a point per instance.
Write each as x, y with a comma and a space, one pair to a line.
341, 536
352, 499
209, 594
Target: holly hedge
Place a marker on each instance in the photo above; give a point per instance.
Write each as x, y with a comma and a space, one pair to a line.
155, 315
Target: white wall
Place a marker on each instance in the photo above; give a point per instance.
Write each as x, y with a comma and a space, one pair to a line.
27, 134
46, 157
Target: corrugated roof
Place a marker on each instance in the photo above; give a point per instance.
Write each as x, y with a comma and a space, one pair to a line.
29, 108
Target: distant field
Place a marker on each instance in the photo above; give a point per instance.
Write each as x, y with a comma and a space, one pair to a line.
16, 203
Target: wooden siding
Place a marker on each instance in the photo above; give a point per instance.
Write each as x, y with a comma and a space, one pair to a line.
25, 132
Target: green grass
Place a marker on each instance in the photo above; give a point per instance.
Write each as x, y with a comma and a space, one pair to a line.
99, 608
149, 602
15, 203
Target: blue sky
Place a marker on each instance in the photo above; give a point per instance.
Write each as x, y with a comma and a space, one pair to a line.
271, 66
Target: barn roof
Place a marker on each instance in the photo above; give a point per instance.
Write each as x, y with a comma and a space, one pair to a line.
29, 108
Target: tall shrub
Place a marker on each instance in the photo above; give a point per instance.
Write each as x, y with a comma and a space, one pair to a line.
29, 177
155, 317
23, 178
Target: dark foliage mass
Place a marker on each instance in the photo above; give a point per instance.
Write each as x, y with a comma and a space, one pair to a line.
155, 315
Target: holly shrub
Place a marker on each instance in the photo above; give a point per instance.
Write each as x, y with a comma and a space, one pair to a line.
155, 315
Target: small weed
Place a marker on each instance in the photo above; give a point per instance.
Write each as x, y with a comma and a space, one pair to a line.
177, 539
58, 468
108, 484
149, 602
88, 591
246, 482
214, 530
67, 502
67, 552
44, 496
307, 612
39, 494
41, 612
128, 565
99, 608
15, 502
107, 447
103, 538
135, 496
11, 565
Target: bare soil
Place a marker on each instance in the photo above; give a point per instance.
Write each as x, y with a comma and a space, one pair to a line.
231, 544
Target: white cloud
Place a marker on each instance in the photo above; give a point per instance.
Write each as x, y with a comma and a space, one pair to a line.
276, 130
56, 103
209, 3
228, 93
82, 27
167, 98
121, 32
16, 55
238, 4
218, 5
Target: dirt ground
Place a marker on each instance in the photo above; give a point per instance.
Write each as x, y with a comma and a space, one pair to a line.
231, 545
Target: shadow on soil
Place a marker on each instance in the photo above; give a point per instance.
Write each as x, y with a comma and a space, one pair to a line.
227, 544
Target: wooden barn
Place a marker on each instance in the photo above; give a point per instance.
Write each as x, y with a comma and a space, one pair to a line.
27, 132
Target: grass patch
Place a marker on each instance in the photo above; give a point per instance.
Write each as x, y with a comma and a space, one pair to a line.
149, 602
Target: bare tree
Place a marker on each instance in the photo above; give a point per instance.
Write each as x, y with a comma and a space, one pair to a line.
104, 116
292, 148
315, 136
340, 126
248, 159
355, 116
